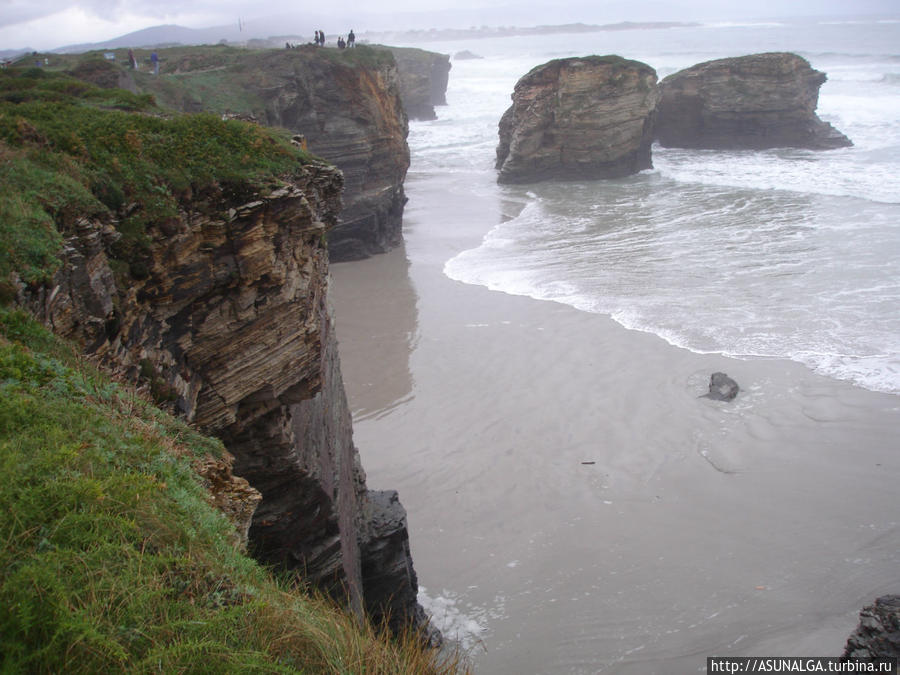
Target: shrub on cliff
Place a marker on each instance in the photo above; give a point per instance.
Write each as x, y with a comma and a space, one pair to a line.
112, 557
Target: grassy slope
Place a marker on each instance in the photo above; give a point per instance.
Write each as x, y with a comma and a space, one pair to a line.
111, 559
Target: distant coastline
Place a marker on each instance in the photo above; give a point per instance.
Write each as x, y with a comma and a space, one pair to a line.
174, 36
436, 35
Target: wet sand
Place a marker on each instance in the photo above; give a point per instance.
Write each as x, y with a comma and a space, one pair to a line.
569, 492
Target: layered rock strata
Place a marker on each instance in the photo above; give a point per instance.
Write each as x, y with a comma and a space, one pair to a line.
346, 104
232, 324
754, 102
878, 632
579, 118
423, 81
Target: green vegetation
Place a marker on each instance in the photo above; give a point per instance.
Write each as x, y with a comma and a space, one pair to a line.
113, 560
69, 149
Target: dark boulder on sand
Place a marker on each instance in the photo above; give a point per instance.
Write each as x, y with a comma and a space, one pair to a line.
748, 102
722, 388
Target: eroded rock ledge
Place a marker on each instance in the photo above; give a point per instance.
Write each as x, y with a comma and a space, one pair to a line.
423, 80
232, 323
748, 102
579, 118
878, 632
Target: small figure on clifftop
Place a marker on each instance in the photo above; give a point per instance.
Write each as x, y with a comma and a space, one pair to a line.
154, 61
351, 39
132, 60
341, 44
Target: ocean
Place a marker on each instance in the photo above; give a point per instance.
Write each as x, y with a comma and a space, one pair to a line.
526, 371
777, 254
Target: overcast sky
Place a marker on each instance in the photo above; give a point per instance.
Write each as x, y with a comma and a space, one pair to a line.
47, 24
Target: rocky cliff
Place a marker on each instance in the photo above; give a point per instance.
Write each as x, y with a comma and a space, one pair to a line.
222, 312
878, 632
754, 102
346, 103
423, 80
579, 118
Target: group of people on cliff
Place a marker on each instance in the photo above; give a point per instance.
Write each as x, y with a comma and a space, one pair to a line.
341, 42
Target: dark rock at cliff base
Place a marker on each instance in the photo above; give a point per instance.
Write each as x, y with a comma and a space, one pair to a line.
388, 576
748, 102
579, 118
722, 388
423, 80
878, 632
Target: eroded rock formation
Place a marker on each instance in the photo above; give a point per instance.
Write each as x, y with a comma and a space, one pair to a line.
579, 118
754, 102
423, 81
231, 322
347, 105
878, 632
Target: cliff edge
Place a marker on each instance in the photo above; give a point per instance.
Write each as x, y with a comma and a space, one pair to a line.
189, 253
346, 103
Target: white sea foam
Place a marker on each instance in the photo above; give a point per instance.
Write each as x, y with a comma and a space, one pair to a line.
781, 253
458, 623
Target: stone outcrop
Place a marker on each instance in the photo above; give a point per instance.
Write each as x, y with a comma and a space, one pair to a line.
753, 102
579, 118
232, 495
345, 103
232, 324
878, 632
423, 80
722, 388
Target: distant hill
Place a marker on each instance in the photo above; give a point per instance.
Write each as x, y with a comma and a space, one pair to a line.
157, 36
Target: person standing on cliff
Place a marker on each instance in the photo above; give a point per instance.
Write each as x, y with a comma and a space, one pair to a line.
351, 39
154, 60
132, 60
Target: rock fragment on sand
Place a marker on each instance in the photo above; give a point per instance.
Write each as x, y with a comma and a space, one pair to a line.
722, 388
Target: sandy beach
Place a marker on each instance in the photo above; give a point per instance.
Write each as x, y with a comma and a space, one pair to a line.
571, 496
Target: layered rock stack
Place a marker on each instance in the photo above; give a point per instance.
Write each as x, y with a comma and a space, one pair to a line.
423, 81
748, 102
579, 118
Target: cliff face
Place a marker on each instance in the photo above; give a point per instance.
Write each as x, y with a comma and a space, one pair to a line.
346, 103
423, 80
578, 118
231, 323
753, 102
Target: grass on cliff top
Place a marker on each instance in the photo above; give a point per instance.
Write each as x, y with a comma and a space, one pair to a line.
69, 149
113, 560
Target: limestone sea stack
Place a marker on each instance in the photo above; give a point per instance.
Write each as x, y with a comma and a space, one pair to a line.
747, 102
579, 118
423, 81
